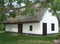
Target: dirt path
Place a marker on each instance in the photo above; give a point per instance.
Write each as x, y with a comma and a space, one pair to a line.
56, 41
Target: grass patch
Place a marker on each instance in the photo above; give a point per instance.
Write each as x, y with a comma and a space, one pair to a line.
7, 38
2, 31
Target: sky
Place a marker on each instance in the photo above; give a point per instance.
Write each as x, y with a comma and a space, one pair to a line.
15, 5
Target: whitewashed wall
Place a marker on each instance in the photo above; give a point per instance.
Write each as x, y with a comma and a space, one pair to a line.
12, 27
36, 28
49, 19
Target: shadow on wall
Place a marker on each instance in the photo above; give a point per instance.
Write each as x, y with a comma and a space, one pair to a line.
59, 24
59, 27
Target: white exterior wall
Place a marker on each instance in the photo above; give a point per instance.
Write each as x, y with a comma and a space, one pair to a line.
12, 27
36, 28
49, 19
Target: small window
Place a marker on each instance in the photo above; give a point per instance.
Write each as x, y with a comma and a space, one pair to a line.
53, 27
30, 27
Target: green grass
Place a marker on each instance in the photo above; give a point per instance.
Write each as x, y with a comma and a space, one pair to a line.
8, 38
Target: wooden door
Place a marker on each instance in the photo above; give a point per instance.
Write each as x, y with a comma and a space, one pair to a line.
44, 29
19, 28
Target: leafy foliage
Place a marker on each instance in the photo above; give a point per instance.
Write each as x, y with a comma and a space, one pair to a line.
13, 14
2, 17
29, 8
2, 27
55, 8
19, 1
1, 2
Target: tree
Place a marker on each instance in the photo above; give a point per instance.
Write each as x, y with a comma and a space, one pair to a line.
55, 7
29, 7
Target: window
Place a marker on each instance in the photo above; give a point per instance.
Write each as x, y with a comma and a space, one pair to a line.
52, 26
30, 27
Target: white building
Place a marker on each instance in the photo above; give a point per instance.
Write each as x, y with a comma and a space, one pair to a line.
44, 23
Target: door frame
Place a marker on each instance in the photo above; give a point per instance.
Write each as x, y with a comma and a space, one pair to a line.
44, 29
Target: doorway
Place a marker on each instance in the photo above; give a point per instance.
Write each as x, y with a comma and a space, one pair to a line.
44, 29
19, 28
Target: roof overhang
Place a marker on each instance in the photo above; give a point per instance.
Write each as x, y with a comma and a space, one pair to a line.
21, 22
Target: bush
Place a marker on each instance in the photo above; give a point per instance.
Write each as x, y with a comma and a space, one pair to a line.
2, 27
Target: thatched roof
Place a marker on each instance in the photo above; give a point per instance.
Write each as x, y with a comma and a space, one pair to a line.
26, 18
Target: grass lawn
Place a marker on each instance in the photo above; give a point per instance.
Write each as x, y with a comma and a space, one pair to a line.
9, 38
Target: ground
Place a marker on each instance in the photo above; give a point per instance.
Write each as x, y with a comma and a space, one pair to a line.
9, 38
